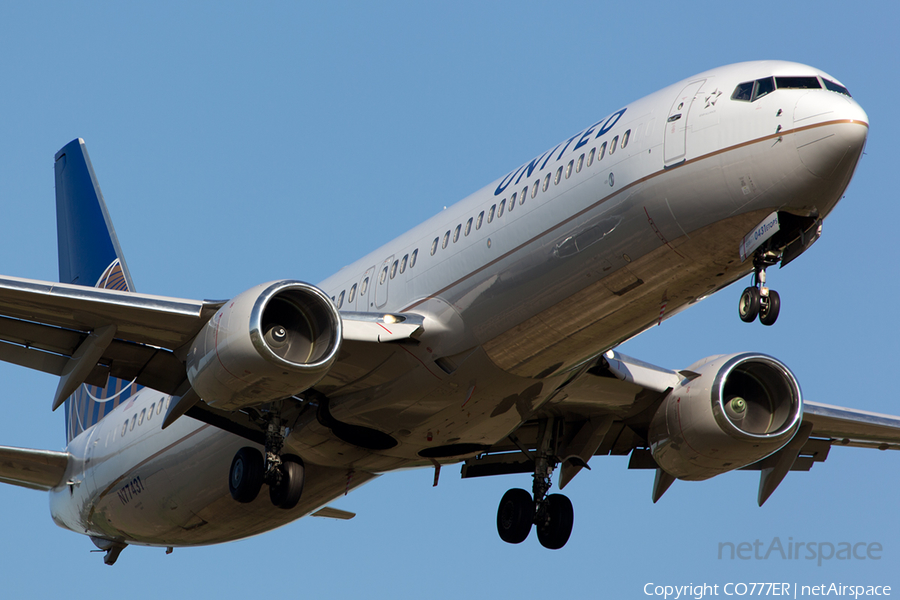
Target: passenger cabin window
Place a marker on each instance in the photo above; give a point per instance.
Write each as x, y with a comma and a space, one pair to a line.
446, 240
558, 177
491, 212
383, 275
480, 220
500, 210
412, 259
403, 262
602, 152
591, 156
569, 168
150, 412
393, 274
580, 164
141, 418
160, 407
363, 288
352, 293
612, 145
524, 194
625, 138
534, 188
340, 301
546, 182
456, 233
469, 226
512, 202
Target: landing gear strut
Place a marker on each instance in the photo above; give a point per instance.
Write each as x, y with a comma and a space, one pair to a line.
758, 300
284, 473
552, 514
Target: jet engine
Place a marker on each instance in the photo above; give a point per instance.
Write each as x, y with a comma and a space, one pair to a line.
728, 412
271, 342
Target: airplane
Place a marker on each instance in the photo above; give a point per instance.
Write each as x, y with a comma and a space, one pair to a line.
485, 336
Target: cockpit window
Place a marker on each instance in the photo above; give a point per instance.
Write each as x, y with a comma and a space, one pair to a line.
744, 91
803, 83
835, 87
750, 91
763, 87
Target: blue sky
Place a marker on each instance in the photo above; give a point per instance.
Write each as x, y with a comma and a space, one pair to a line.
238, 145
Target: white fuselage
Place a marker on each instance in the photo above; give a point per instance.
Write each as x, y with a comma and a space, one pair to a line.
513, 299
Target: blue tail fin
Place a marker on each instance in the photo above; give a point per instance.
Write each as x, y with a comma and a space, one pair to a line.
89, 255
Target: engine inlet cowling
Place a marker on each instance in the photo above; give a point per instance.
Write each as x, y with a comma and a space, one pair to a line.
740, 409
271, 342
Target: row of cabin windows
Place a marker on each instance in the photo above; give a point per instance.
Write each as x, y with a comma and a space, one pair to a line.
496, 211
399, 266
139, 420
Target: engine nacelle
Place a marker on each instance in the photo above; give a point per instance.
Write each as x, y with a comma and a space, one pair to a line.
741, 408
271, 342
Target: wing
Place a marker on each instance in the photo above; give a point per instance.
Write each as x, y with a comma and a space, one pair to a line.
86, 335
607, 407
48, 326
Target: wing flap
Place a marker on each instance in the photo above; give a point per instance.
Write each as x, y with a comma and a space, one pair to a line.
43, 324
48, 348
156, 320
33, 469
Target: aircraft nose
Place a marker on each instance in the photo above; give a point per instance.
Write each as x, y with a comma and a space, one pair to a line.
831, 132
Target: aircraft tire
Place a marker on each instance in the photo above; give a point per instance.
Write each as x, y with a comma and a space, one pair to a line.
770, 314
286, 493
515, 516
246, 475
748, 307
554, 532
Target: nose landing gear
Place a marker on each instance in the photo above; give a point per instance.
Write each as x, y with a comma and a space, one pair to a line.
758, 300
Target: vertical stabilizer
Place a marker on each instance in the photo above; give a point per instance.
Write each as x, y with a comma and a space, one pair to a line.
89, 255
87, 241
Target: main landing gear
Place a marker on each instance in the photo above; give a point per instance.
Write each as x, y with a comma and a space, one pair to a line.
759, 300
283, 473
552, 514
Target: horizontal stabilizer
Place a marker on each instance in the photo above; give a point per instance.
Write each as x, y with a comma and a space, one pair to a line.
34, 469
848, 427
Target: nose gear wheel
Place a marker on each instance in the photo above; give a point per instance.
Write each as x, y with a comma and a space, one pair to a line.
758, 300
